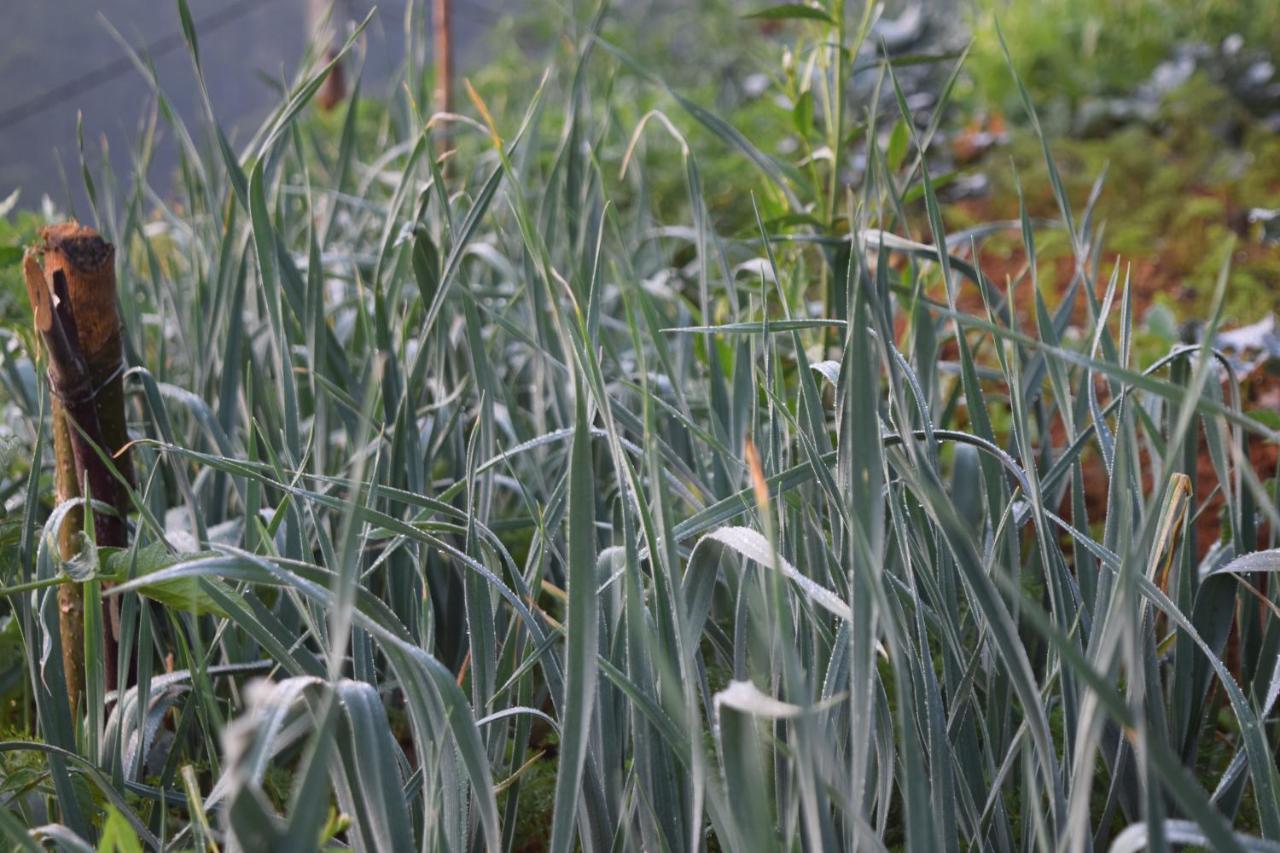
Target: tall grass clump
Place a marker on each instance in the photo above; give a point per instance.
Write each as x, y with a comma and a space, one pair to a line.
479, 508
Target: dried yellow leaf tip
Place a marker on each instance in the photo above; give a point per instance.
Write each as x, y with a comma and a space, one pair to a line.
758, 483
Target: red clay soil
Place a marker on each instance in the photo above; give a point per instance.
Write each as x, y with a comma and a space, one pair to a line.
1148, 277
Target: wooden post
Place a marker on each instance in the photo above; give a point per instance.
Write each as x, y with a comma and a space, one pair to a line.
444, 55
322, 16
71, 282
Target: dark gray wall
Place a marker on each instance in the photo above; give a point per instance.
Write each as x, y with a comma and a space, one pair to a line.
49, 46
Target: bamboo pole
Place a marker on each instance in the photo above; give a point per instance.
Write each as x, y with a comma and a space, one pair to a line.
71, 283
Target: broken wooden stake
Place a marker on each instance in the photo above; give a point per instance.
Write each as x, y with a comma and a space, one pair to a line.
71, 282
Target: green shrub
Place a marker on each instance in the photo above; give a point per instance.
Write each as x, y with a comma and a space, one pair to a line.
1066, 50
